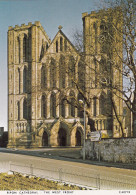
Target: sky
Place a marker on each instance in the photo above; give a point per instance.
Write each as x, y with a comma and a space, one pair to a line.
51, 14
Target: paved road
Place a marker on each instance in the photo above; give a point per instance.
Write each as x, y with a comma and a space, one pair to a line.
65, 154
76, 172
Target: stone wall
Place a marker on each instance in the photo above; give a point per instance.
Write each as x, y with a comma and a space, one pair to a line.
112, 150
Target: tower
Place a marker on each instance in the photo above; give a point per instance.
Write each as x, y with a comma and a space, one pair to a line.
25, 44
103, 48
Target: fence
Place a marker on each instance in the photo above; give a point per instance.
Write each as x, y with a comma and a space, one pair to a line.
78, 176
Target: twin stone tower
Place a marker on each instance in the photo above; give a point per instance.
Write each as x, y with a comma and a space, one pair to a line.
46, 80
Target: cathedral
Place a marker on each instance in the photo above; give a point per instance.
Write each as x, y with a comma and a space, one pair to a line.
46, 80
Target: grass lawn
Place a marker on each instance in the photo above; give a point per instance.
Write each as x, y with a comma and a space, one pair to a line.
19, 182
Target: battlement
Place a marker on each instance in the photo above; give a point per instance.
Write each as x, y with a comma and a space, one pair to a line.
103, 12
23, 26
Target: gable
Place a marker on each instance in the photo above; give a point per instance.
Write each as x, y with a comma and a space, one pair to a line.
61, 45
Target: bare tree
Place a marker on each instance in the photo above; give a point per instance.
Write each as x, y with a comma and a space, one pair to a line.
126, 13
118, 50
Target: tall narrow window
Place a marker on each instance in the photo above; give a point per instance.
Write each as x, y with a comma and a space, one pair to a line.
56, 46
94, 106
52, 73
65, 45
71, 71
53, 105
62, 108
18, 110
25, 109
43, 76
18, 80
104, 37
81, 74
95, 31
72, 104
43, 107
47, 46
102, 105
29, 110
24, 79
24, 48
62, 72
61, 44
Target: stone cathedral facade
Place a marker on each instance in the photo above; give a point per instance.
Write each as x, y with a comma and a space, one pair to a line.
37, 79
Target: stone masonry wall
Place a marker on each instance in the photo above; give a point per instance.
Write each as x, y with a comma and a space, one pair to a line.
112, 150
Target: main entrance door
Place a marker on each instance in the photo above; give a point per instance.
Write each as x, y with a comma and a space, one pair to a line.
45, 139
78, 138
62, 137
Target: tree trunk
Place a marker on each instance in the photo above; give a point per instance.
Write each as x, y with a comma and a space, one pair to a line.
134, 114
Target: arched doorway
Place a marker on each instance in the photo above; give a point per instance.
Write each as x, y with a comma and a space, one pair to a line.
45, 139
78, 138
62, 137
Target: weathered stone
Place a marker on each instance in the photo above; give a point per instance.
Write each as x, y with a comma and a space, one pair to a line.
37, 81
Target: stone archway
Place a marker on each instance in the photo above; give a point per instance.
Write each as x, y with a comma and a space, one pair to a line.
62, 137
60, 134
78, 138
77, 135
45, 139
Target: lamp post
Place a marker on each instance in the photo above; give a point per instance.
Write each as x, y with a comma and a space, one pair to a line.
82, 102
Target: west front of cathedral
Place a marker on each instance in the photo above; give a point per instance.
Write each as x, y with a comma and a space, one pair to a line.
46, 78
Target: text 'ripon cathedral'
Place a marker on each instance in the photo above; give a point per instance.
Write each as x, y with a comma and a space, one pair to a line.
41, 72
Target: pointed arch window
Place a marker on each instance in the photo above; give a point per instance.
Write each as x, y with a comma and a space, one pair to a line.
18, 110
104, 36
56, 46
61, 44
102, 105
94, 106
43, 107
62, 108
95, 31
47, 46
81, 74
53, 105
62, 72
53, 73
71, 71
25, 79
24, 48
18, 40
43, 77
72, 104
65, 45
25, 109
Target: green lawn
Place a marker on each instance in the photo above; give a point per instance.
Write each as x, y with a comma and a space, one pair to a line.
19, 182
